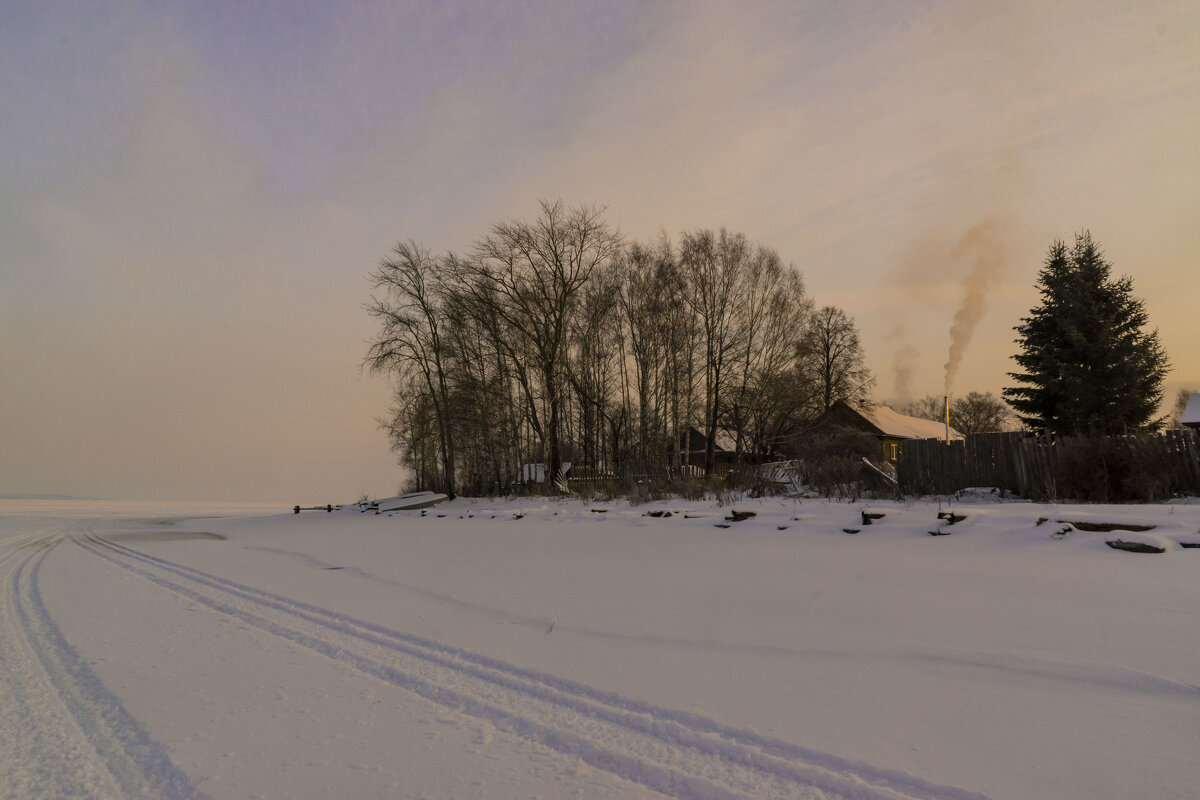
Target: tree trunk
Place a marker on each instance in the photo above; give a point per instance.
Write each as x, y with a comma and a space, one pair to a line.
553, 458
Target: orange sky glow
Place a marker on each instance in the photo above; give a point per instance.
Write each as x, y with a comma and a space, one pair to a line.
193, 194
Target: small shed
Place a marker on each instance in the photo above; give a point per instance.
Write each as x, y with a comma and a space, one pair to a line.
536, 472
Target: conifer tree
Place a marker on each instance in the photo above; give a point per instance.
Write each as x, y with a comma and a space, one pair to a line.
1089, 364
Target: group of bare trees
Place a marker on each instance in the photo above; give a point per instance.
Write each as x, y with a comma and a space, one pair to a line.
554, 340
978, 412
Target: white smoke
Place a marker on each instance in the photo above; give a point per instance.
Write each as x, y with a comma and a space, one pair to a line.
982, 248
902, 369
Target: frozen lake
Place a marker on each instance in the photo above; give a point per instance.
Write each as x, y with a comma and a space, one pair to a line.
514, 649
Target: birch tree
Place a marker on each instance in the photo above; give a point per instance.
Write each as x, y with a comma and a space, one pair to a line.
836, 363
530, 274
409, 307
713, 266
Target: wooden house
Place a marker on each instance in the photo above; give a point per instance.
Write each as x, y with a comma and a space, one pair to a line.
693, 441
890, 427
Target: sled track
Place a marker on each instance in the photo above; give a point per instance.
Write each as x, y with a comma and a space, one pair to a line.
63, 733
672, 752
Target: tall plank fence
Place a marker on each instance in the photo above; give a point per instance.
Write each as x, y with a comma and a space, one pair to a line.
1141, 467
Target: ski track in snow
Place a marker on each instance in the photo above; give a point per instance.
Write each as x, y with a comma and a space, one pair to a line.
675, 753
62, 733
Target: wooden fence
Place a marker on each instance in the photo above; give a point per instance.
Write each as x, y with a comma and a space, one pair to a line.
1143, 467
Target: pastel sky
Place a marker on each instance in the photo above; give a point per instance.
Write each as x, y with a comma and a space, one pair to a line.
192, 193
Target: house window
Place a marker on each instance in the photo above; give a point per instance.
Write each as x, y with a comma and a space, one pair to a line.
892, 451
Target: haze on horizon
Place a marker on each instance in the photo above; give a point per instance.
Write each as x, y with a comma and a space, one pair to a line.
192, 194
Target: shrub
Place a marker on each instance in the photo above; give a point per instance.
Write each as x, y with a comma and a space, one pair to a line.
1113, 469
833, 463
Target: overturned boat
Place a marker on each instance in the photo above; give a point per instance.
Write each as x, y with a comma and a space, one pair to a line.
409, 502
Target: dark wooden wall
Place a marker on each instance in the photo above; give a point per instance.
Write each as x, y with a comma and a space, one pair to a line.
1146, 467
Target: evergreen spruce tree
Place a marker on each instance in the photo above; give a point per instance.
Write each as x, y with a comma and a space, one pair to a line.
1089, 364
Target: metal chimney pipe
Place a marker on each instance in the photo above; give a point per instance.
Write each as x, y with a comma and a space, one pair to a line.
947, 398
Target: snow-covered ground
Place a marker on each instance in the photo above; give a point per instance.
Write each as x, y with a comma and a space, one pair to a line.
515, 649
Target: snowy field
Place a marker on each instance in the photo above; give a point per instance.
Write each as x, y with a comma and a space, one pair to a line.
555, 649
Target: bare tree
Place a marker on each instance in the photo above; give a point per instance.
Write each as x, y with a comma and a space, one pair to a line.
928, 407
410, 312
412, 430
774, 313
834, 359
484, 403
715, 266
979, 413
530, 274
641, 304
678, 333
592, 367
783, 398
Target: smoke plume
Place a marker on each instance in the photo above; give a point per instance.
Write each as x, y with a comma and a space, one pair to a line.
982, 247
902, 369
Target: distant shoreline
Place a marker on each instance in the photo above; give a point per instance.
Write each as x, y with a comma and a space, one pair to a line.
20, 496
82, 508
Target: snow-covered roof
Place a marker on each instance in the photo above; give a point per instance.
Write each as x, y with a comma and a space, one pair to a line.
1191, 413
893, 423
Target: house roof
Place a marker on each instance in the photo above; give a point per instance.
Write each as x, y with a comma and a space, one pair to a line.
725, 440
1191, 413
893, 423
